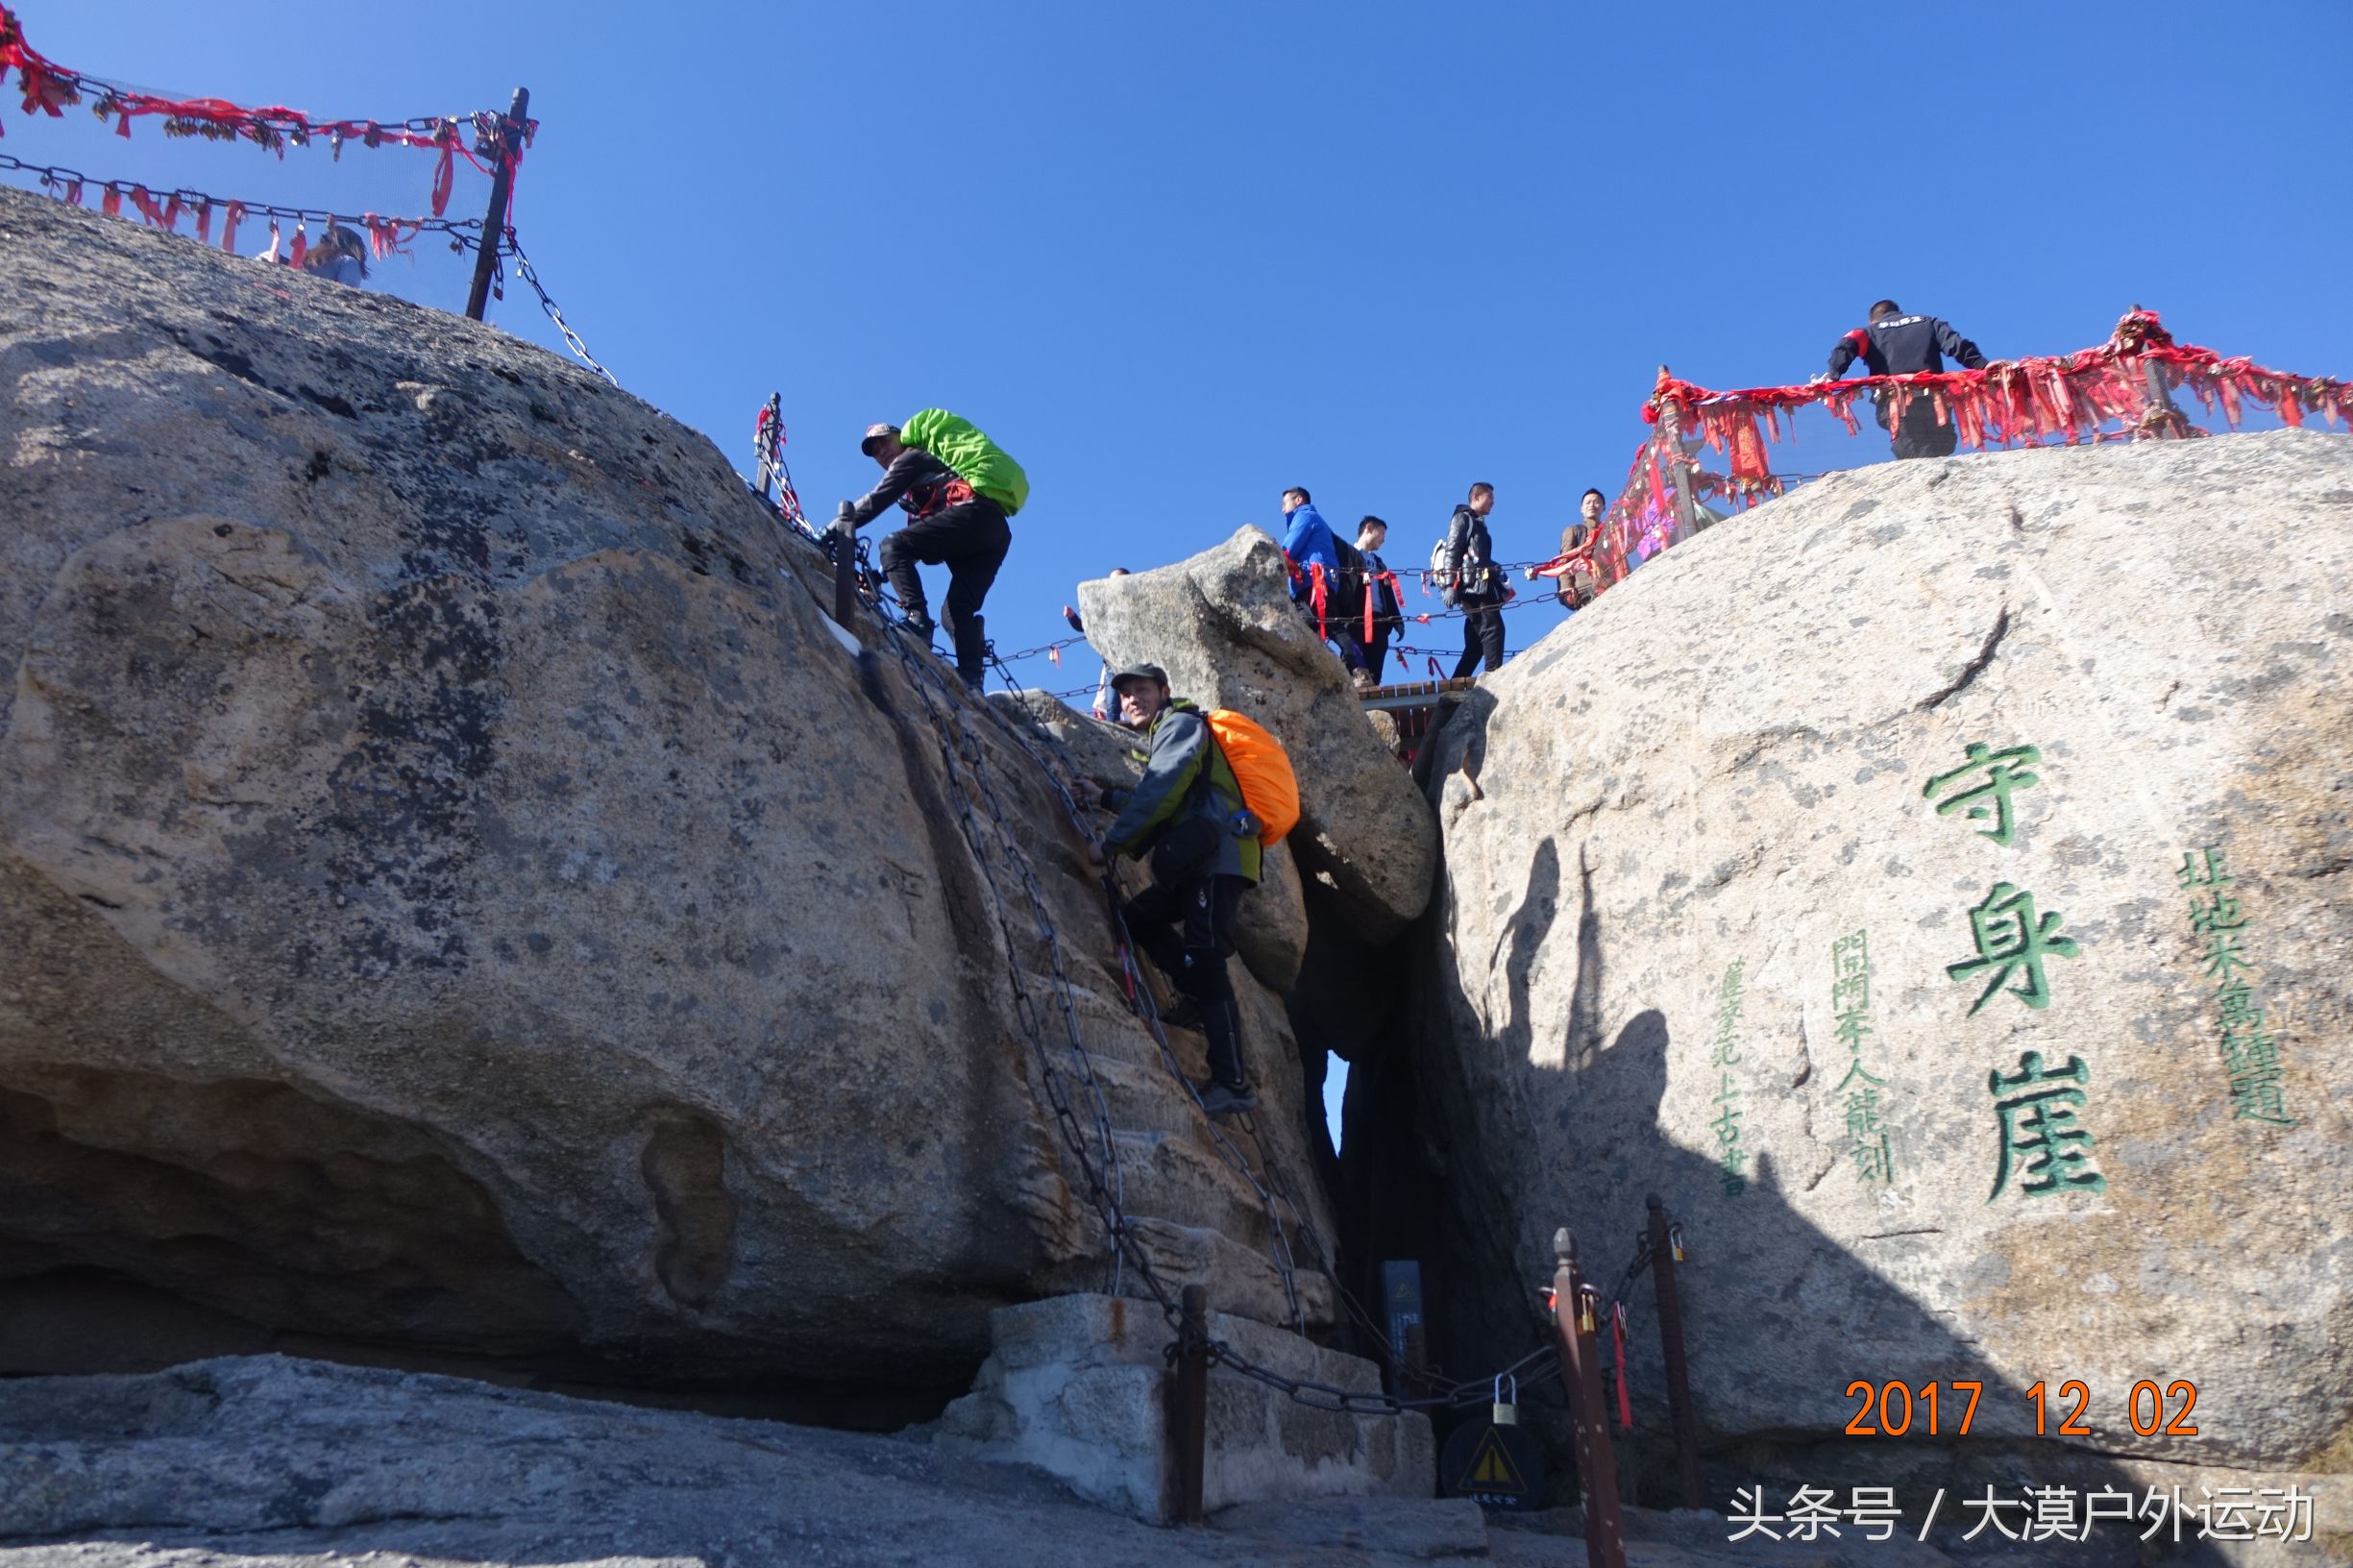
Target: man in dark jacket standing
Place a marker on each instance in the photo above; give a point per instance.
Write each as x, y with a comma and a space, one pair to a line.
1895, 344
1368, 593
950, 521
1473, 584
1186, 813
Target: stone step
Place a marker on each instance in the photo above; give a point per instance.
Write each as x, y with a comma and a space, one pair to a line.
1169, 1176
1240, 1279
1078, 1386
1148, 1097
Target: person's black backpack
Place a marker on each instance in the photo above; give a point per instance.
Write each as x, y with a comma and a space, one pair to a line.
1348, 583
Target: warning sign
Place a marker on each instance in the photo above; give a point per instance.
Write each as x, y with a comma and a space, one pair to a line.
1501, 1467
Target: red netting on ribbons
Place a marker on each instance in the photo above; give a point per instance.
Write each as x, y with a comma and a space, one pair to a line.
51, 89
2125, 389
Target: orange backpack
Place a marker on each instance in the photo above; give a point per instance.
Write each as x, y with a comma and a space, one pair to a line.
1261, 770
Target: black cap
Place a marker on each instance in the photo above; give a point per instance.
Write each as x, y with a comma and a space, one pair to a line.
874, 435
1140, 671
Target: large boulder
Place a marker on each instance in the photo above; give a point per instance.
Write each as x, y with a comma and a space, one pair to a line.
460, 892
1222, 625
1931, 884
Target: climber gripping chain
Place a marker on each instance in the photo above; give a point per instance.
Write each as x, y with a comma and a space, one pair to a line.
958, 488
1215, 789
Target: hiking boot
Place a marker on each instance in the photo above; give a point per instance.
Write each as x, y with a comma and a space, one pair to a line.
1183, 1013
918, 625
1363, 679
1227, 1100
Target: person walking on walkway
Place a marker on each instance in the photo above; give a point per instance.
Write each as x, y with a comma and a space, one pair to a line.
1473, 584
1895, 344
957, 489
1368, 593
1186, 814
1307, 539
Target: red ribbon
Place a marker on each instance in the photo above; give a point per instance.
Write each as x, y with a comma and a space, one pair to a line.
300, 247
444, 174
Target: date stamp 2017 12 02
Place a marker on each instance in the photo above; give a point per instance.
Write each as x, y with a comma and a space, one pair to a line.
1934, 1409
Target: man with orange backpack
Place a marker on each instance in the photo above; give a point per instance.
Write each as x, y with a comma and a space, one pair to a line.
1189, 813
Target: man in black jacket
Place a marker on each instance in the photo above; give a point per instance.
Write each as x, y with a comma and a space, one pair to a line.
948, 522
1474, 582
1368, 591
1895, 344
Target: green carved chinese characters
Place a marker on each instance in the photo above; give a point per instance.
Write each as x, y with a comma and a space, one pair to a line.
1867, 1135
2250, 1050
2012, 941
2004, 771
2043, 1140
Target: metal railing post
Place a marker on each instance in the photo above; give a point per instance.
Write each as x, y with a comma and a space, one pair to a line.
1671, 1343
1678, 467
844, 567
1574, 1310
1188, 1405
2162, 418
501, 183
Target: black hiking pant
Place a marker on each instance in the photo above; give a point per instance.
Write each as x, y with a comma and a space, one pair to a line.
1184, 923
1482, 636
1360, 654
971, 538
1918, 435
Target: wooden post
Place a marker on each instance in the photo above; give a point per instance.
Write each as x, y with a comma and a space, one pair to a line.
1596, 1466
1679, 469
501, 184
1188, 1406
1671, 1343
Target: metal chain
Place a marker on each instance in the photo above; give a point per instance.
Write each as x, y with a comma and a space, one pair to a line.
1321, 1395
572, 339
961, 748
465, 232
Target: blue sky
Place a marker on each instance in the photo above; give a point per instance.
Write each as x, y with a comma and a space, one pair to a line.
1176, 258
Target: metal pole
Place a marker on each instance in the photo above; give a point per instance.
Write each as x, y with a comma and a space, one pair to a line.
1671, 1343
1596, 1466
844, 567
2166, 419
766, 447
501, 183
1188, 1402
1678, 480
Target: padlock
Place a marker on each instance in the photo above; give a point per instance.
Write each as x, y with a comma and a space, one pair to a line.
1674, 1242
1586, 1321
1507, 1406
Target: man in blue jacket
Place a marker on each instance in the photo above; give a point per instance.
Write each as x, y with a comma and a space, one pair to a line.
1186, 813
1307, 539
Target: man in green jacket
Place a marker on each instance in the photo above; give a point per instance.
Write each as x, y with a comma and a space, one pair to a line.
1186, 813
958, 488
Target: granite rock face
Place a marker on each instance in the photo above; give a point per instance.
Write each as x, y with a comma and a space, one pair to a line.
1222, 625
462, 895
1933, 885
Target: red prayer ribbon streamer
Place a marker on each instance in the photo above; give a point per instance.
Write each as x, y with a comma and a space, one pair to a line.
50, 88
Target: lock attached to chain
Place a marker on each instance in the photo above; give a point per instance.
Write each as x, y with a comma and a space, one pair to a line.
1588, 1320
1674, 1241
1507, 1400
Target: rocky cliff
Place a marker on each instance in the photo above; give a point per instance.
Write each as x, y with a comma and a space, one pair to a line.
466, 903
1932, 884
